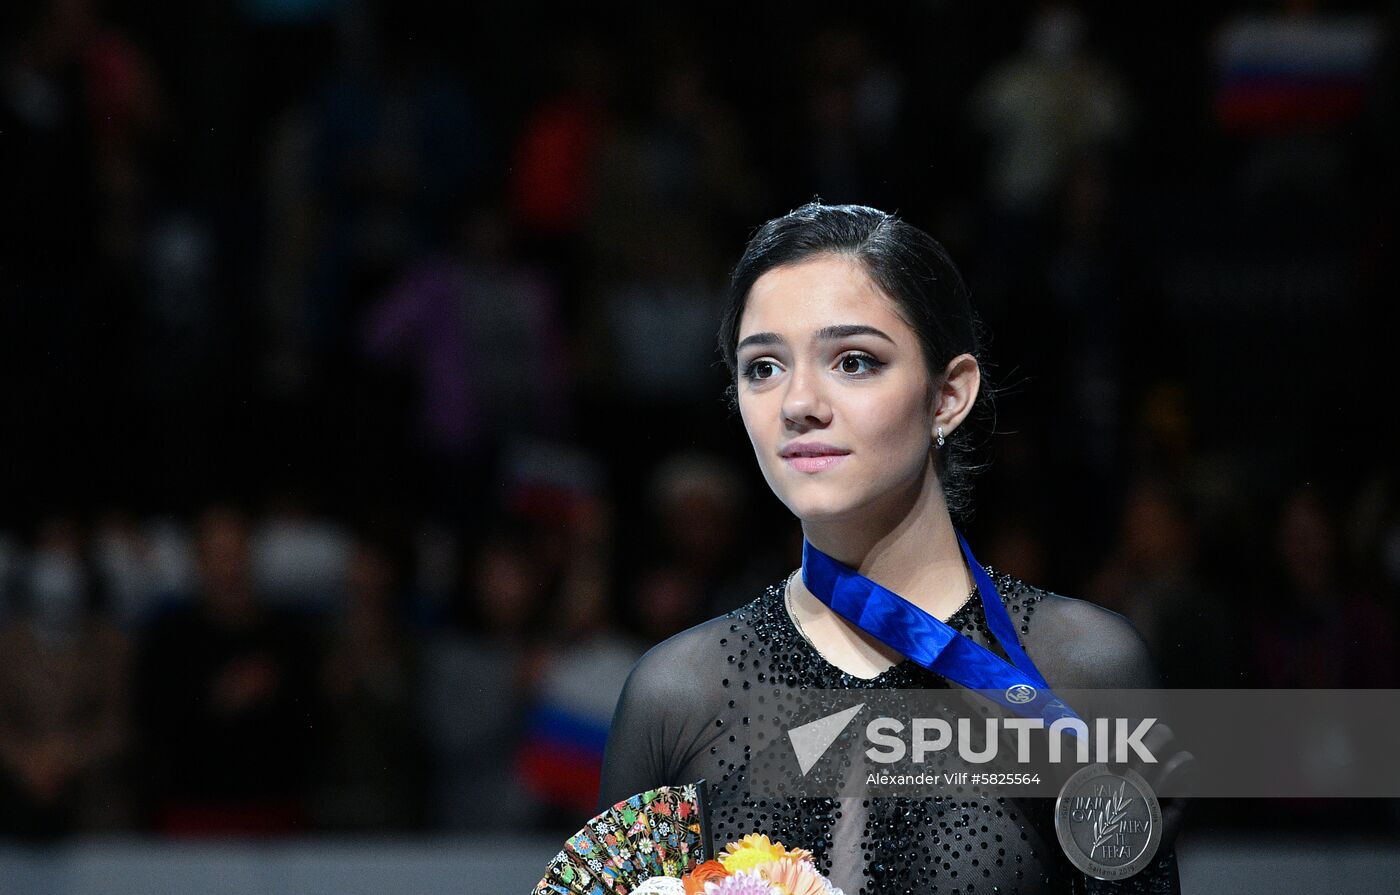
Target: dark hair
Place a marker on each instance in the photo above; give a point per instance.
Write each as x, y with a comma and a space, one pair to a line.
910, 267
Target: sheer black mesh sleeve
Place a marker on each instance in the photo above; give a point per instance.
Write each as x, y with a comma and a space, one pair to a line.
663, 716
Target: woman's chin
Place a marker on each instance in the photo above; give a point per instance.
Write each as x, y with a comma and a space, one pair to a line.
824, 508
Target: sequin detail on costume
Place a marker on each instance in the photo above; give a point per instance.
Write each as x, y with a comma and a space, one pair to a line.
967, 842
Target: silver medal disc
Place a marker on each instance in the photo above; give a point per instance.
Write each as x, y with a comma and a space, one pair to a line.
1108, 821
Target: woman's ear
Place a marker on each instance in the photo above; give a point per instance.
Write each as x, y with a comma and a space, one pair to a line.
956, 393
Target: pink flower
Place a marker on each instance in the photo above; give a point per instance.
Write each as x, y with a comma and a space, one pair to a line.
741, 883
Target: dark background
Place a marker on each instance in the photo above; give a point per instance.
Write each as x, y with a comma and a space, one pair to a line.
360, 407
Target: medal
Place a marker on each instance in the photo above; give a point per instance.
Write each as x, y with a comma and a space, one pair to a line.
1108, 821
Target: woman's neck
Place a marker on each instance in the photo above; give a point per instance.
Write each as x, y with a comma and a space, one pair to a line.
908, 546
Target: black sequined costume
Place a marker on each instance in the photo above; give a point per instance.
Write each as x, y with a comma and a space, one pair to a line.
676, 723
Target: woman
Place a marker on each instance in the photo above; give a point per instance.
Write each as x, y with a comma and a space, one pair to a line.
853, 354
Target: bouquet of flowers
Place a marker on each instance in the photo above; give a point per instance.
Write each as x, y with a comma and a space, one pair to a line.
754, 865
654, 844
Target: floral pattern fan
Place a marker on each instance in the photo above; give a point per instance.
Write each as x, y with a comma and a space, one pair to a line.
660, 832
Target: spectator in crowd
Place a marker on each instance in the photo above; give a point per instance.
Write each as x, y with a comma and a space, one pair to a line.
697, 504
1319, 630
125, 566
852, 103
1374, 536
1045, 109
372, 774
664, 178
479, 674
1155, 579
456, 317
300, 559
227, 700
65, 726
552, 157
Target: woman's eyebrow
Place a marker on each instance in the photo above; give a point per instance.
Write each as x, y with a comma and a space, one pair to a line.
825, 334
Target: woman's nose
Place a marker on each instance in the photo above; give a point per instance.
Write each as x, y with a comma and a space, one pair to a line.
805, 402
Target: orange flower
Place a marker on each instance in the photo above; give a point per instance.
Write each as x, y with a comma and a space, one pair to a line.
710, 871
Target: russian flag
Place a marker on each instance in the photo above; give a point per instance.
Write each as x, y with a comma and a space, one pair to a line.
1281, 75
561, 757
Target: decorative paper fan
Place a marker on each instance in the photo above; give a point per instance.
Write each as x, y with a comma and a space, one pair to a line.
660, 832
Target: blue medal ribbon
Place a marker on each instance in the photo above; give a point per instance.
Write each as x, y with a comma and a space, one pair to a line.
904, 627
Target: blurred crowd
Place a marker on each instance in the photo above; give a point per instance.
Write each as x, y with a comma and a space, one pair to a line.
363, 420
286, 672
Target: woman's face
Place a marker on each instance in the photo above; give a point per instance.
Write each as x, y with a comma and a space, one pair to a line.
833, 390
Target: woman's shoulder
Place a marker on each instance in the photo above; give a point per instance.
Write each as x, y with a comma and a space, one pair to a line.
1078, 643
682, 659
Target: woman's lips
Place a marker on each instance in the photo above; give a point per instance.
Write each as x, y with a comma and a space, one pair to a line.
815, 464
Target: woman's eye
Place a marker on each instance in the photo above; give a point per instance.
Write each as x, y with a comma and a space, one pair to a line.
759, 369
856, 364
